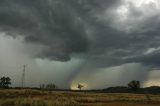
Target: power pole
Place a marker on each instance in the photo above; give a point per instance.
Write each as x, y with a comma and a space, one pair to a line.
23, 76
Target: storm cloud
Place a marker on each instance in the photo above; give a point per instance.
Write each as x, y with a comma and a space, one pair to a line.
105, 33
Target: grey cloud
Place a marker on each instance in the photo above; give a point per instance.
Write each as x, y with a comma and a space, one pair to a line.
51, 23
61, 27
147, 59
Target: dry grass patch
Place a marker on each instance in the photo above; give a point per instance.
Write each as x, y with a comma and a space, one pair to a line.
66, 98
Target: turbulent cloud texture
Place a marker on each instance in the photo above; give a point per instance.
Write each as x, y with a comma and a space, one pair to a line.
114, 29
106, 33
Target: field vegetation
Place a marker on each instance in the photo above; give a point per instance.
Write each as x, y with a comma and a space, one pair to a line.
30, 97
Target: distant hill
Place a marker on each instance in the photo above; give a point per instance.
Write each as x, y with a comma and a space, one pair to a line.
152, 89
118, 89
123, 89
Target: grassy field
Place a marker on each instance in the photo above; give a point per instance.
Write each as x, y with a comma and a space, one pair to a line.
68, 98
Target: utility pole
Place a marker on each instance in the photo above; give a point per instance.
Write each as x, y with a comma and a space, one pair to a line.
23, 76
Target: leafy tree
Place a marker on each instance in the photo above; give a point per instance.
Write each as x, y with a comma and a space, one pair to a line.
134, 85
8, 81
5, 82
51, 86
2, 81
80, 86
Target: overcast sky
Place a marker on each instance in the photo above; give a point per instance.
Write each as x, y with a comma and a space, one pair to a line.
98, 43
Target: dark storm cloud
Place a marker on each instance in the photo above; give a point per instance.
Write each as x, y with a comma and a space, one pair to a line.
148, 59
53, 24
66, 27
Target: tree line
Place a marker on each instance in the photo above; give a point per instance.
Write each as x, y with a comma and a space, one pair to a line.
134, 85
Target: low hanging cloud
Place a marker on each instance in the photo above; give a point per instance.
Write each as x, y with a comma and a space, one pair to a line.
106, 32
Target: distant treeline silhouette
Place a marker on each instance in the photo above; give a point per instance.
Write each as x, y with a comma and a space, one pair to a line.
132, 87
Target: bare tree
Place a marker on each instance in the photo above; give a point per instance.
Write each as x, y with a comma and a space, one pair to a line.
80, 86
